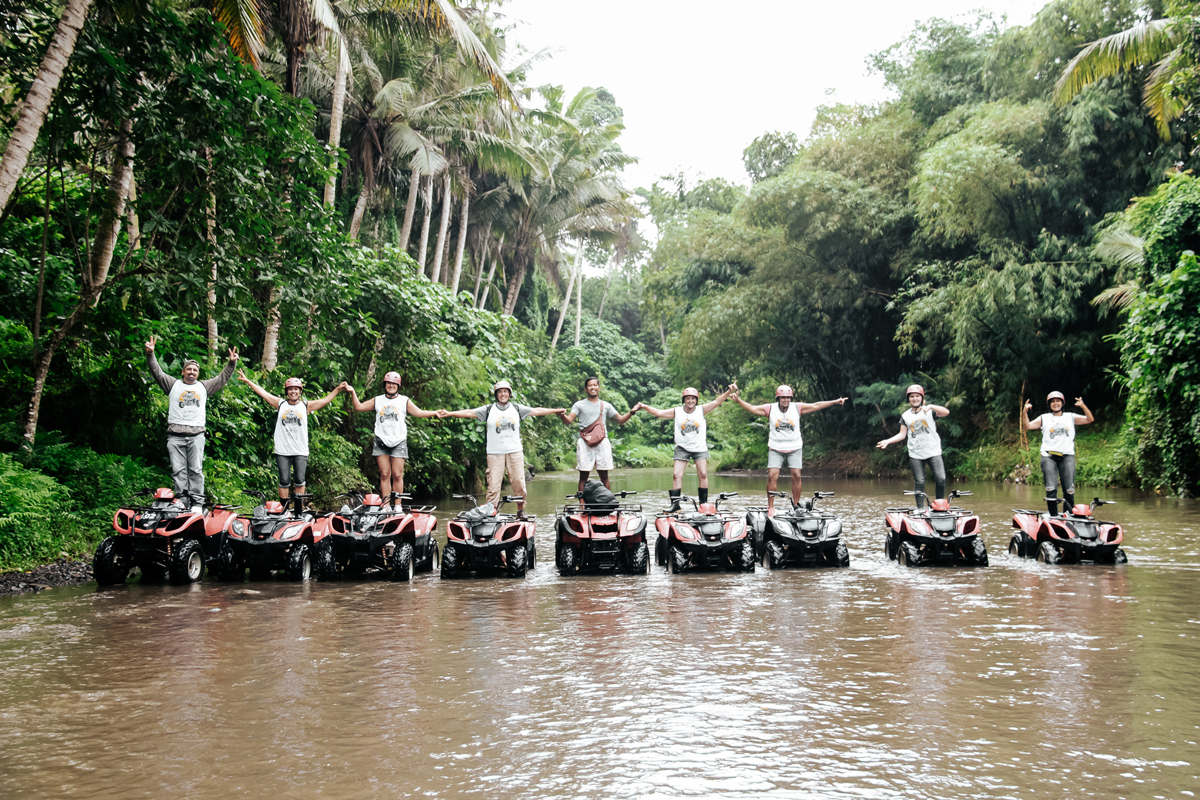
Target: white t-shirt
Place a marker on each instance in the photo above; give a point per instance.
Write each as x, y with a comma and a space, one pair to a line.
188, 402
784, 427
1058, 433
691, 430
503, 426
391, 419
923, 439
291, 429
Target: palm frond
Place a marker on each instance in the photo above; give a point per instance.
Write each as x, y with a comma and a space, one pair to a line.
1143, 44
1163, 105
243, 28
1117, 297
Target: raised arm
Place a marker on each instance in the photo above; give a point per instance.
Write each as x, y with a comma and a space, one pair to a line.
661, 413
1087, 420
808, 408
712, 405
317, 405
899, 437
164, 380
761, 411
357, 404
416, 412
215, 385
271, 399
1029, 426
940, 411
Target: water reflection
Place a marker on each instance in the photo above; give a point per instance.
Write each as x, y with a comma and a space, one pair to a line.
1017, 680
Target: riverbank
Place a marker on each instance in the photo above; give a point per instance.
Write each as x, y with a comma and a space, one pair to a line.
63, 572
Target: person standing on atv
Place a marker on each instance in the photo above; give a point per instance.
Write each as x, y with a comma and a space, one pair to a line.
691, 438
593, 450
785, 445
1058, 446
390, 446
186, 418
291, 429
919, 425
504, 450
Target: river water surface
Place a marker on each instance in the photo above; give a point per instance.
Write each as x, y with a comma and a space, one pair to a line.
1014, 681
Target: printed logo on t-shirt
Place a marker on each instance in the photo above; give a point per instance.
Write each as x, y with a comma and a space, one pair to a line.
291, 418
189, 397
919, 427
783, 424
1058, 431
689, 426
389, 414
505, 424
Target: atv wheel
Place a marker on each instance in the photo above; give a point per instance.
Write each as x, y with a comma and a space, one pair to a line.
841, 555
299, 563
889, 545
187, 562
660, 551
111, 563
516, 561
400, 565
746, 555
775, 555
531, 555
979, 556
325, 565
449, 561
1119, 557
153, 573
639, 560
678, 559
229, 567
568, 560
435, 557
1016, 546
908, 555
1047, 553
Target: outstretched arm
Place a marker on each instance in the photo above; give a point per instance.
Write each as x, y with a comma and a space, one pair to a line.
357, 404
623, 418
465, 413
899, 437
1029, 426
712, 405
567, 418
317, 405
759, 410
1089, 419
808, 408
416, 412
661, 413
271, 399
545, 412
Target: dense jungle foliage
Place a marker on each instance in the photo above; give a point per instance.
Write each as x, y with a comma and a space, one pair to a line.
423, 209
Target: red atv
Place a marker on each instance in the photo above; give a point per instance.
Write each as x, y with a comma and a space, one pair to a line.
802, 536
939, 534
396, 539
276, 536
600, 534
704, 538
172, 536
483, 540
1074, 537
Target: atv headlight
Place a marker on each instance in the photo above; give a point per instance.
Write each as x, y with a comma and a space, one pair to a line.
291, 533
735, 530
834, 528
238, 528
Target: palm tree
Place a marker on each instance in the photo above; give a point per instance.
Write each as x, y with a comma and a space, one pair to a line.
1158, 44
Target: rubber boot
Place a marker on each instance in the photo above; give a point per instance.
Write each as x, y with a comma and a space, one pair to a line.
673, 495
703, 495
1052, 504
1069, 503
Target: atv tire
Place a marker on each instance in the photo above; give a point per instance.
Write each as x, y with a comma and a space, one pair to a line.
1016, 546
1047, 553
639, 560
516, 561
908, 555
299, 563
841, 555
568, 560
112, 562
677, 558
746, 555
400, 564
449, 561
775, 556
228, 566
979, 556
889, 545
187, 562
1119, 557
435, 558
660, 551
531, 555
324, 564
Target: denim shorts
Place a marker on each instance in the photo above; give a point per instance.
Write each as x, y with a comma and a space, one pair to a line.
381, 449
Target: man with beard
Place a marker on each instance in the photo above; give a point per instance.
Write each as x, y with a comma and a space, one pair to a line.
593, 450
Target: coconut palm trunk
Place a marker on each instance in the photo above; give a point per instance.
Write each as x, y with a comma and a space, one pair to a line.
425, 225
482, 263
443, 230
360, 209
562, 312
487, 286
41, 92
579, 299
462, 242
414, 186
336, 111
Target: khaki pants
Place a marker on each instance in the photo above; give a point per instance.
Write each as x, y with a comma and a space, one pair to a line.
496, 465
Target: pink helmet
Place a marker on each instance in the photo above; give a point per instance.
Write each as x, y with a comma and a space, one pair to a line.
914, 389
392, 377
690, 392
783, 390
1055, 396
498, 385
290, 382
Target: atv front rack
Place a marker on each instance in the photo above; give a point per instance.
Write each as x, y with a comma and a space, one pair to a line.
621, 508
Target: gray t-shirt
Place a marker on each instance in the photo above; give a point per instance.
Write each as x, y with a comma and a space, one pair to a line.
586, 412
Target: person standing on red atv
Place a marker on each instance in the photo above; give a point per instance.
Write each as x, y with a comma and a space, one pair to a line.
291, 429
691, 438
504, 449
593, 450
785, 446
919, 425
391, 431
186, 418
1058, 446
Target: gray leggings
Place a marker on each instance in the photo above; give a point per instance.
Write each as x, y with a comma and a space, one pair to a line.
939, 476
291, 470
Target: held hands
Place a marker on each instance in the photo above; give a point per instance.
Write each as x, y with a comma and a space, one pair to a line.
635, 409
441, 413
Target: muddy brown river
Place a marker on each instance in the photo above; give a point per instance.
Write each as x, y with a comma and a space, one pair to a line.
878, 681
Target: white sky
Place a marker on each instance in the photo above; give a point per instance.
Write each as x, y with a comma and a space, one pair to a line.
699, 81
